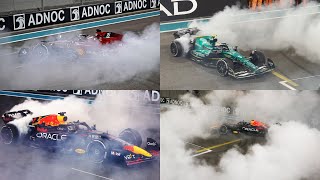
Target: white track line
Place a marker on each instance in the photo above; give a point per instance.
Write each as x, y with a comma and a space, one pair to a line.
284, 83
91, 173
195, 155
307, 77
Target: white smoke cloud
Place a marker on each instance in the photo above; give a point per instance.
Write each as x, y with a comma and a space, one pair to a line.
249, 30
112, 112
284, 156
137, 54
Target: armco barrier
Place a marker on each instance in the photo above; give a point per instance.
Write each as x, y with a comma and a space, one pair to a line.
18, 22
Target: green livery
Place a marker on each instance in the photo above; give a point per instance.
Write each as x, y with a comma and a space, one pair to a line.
228, 61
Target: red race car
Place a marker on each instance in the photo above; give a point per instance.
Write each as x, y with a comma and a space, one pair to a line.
107, 37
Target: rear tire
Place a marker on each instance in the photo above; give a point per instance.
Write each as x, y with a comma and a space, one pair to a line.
259, 59
41, 51
271, 64
223, 67
131, 136
176, 49
223, 130
9, 134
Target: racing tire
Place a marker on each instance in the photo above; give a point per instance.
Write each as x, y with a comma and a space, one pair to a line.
41, 51
223, 67
97, 151
223, 130
9, 134
176, 49
259, 59
271, 64
131, 136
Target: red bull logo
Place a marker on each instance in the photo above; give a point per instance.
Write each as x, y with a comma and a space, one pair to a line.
50, 120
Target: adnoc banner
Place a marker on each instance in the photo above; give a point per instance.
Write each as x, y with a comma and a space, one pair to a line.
23, 21
188, 9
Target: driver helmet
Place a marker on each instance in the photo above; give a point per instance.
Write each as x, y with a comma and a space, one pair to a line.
213, 39
62, 119
252, 122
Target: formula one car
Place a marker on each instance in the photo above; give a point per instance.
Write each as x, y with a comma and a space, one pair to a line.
53, 133
73, 48
228, 61
253, 128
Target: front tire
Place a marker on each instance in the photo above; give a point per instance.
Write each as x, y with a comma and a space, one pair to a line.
176, 49
97, 151
223, 67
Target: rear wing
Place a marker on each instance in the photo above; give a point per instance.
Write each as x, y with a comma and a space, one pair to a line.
10, 116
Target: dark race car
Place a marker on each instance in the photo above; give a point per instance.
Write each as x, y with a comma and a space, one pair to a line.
228, 61
72, 48
253, 128
53, 132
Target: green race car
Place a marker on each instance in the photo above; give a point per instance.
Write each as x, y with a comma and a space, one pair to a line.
228, 61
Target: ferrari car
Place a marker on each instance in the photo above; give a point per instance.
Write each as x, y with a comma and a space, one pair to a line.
228, 60
253, 128
73, 48
53, 133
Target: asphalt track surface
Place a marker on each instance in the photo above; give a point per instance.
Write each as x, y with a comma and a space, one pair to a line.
140, 81
211, 149
292, 72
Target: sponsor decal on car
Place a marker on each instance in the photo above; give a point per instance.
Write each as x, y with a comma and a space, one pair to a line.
130, 156
250, 129
39, 129
80, 151
151, 143
114, 153
51, 136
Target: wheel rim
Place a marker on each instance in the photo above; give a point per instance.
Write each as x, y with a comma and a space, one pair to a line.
6, 135
96, 152
41, 51
223, 130
221, 67
173, 49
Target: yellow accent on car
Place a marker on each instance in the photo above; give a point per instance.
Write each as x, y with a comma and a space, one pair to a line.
139, 150
80, 151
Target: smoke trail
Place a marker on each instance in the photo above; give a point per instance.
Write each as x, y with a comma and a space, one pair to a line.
137, 54
284, 156
267, 29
